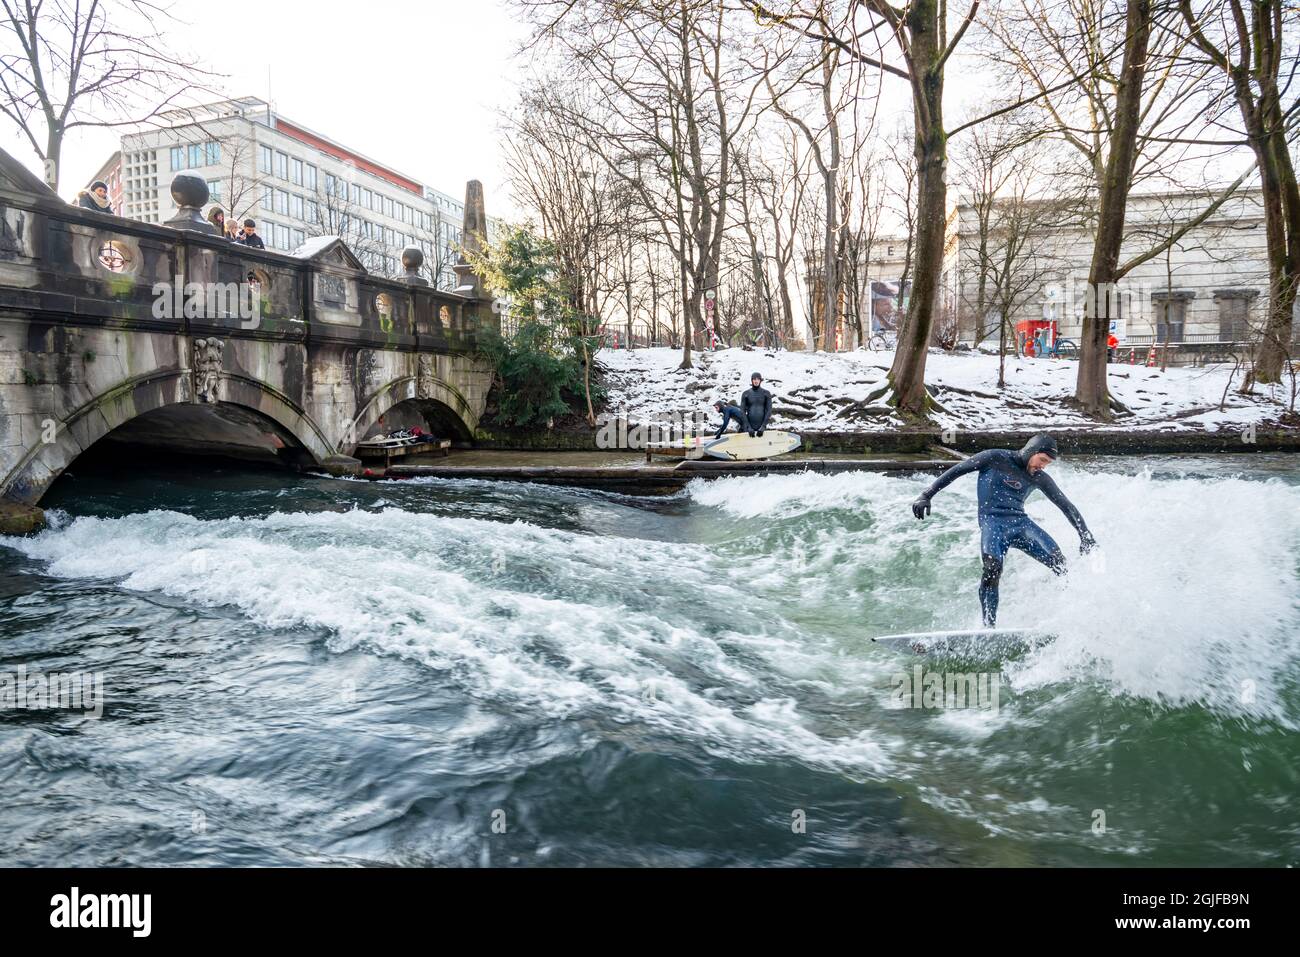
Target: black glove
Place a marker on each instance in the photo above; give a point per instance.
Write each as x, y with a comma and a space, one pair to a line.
751, 435
760, 432
921, 507
1086, 543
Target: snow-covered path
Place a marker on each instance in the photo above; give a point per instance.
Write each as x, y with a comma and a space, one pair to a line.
823, 391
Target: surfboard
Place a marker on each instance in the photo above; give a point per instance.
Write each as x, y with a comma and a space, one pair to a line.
976, 641
742, 447
690, 446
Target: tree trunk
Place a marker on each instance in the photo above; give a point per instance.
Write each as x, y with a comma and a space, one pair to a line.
907, 375
53, 156
1091, 393
1281, 195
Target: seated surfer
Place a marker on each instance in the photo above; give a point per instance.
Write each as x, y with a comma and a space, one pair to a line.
756, 404
1006, 479
729, 412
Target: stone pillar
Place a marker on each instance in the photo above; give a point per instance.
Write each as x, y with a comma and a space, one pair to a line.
473, 239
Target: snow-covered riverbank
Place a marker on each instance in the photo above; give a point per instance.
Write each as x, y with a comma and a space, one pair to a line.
825, 391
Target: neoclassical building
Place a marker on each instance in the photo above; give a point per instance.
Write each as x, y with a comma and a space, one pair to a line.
1206, 295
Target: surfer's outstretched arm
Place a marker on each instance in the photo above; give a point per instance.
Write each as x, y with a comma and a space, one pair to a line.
921, 507
1057, 498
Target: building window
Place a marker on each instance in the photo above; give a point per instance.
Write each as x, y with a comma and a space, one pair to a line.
281, 236
268, 199
178, 158
311, 177
295, 206
1234, 314
282, 202
282, 165
313, 211
295, 171
367, 199
356, 195
297, 237
214, 190
1171, 314
212, 149
194, 155
264, 159
329, 184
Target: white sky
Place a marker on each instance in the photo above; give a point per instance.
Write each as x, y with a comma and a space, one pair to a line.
416, 86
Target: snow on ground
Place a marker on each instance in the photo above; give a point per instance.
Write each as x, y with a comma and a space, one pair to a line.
825, 391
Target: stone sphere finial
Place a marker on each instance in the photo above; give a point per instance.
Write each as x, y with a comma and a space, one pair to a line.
412, 260
189, 190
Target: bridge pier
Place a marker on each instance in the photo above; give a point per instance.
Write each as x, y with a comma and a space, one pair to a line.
19, 519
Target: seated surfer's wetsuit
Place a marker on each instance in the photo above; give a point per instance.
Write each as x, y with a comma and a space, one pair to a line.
1004, 483
757, 406
731, 413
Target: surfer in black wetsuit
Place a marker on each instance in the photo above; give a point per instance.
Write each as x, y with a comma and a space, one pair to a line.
1006, 479
756, 403
730, 413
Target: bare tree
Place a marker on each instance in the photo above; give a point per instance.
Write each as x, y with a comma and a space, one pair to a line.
1113, 81
1250, 50
88, 63
331, 212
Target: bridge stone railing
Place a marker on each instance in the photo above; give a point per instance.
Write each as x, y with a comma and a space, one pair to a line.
64, 264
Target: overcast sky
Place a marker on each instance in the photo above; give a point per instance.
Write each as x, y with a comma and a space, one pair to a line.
414, 86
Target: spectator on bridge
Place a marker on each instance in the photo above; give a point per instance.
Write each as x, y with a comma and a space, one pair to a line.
233, 232
218, 220
250, 237
95, 198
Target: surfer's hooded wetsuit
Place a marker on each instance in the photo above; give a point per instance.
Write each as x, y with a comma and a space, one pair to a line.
730, 413
757, 406
1004, 483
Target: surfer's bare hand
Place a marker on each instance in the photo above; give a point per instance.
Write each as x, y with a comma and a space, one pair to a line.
921, 507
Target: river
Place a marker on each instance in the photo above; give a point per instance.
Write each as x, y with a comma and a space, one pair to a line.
301, 670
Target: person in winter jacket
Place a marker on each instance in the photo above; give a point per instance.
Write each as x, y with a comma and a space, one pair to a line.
250, 237
96, 197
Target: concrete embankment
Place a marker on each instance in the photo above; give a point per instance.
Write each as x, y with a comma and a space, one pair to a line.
571, 458
1097, 441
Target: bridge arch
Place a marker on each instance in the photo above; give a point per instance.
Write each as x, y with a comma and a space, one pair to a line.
441, 404
76, 431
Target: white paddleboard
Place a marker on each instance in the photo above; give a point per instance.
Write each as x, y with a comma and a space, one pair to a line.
742, 447
971, 642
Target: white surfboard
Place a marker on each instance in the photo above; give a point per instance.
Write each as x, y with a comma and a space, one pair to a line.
976, 641
690, 446
742, 447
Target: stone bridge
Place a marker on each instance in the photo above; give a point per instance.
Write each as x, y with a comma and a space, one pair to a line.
134, 334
